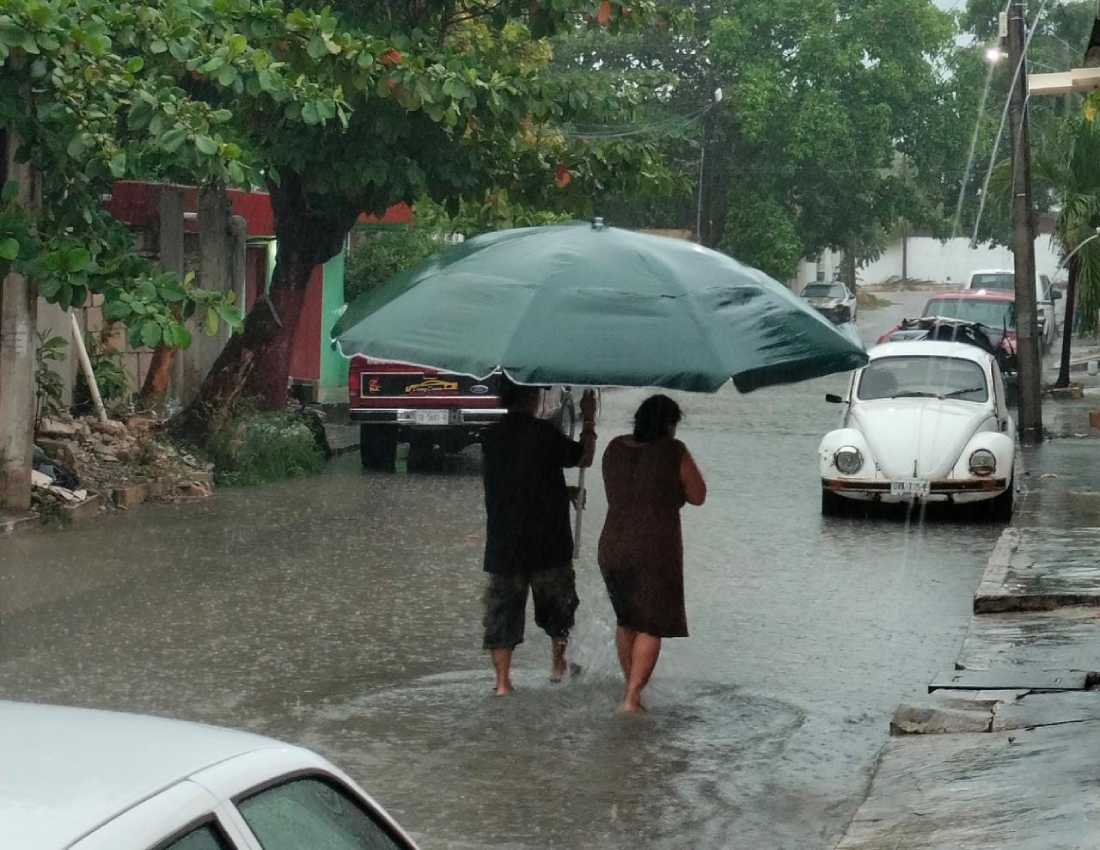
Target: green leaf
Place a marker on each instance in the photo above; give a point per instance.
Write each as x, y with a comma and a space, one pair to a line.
9, 249
317, 48
77, 145
76, 260
266, 80
150, 334
135, 64
49, 287
236, 173
183, 337
227, 75
134, 336
206, 145
310, 114
221, 116
237, 44
147, 290
173, 139
158, 46
114, 311
230, 315
65, 296
118, 165
210, 325
172, 294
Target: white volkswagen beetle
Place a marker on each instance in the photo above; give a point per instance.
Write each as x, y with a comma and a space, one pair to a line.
925, 421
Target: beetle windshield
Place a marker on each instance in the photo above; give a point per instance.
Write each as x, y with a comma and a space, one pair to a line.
923, 377
823, 290
994, 314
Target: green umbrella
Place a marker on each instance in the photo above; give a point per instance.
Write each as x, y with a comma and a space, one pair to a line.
589, 305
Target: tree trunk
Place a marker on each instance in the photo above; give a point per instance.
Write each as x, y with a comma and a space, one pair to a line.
256, 363
1067, 325
849, 268
159, 377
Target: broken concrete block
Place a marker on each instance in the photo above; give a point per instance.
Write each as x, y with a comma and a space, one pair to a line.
130, 495
933, 720
111, 426
56, 428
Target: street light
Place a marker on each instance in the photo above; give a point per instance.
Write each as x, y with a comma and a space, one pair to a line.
993, 55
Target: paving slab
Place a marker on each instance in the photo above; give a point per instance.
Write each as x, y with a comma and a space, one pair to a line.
1019, 678
1033, 710
1037, 569
1062, 639
1020, 790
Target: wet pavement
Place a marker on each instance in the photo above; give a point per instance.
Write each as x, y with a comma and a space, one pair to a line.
343, 612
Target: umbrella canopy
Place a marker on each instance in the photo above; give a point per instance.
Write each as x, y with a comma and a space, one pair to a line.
590, 305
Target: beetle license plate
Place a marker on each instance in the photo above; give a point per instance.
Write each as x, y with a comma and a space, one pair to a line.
432, 417
909, 487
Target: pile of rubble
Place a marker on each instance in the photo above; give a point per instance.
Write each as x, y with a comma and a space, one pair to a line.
84, 465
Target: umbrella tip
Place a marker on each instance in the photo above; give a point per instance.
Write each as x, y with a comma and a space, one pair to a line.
598, 223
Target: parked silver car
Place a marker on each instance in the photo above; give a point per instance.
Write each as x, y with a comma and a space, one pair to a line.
832, 300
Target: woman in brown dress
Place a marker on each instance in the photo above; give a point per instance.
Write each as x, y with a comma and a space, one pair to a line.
648, 476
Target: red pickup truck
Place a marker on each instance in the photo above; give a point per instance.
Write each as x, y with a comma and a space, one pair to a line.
397, 403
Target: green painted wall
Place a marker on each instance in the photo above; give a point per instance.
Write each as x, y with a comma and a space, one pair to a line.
333, 387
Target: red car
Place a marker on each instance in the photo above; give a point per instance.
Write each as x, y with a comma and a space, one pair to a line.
994, 309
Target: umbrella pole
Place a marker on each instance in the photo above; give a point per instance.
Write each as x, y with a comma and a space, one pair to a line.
582, 497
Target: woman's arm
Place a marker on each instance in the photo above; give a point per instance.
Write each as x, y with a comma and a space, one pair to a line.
691, 479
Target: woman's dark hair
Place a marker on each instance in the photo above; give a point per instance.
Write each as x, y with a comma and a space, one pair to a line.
656, 418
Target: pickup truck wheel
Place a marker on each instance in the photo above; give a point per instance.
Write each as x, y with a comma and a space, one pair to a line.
420, 453
376, 447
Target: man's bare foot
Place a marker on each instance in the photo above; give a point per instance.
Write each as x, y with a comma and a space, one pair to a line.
633, 708
503, 690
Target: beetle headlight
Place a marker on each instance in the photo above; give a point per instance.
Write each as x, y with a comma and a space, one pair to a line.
983, 462
848, 460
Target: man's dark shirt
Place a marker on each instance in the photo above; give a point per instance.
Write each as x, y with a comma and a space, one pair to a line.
525, 495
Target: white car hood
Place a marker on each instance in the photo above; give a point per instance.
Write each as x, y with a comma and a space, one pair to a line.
928, 432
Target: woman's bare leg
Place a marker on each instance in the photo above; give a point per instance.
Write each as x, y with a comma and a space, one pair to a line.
643, 658
624, 643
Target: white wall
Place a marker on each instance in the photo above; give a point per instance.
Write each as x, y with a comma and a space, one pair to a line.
953, 261
948, 262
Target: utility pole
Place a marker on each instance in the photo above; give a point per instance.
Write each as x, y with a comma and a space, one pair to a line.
1029, 360
18, 309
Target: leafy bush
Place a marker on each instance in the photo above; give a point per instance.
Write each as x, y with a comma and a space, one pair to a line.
48, 386
257, 448
110, 377
386, 250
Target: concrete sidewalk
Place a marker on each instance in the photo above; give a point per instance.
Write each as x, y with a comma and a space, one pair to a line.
1005, 751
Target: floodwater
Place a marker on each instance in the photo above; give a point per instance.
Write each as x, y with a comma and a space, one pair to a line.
343, 612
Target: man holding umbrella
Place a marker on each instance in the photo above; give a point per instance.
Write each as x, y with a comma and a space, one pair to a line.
529, 544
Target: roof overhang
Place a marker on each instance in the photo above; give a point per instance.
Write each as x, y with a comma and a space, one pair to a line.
1083, 79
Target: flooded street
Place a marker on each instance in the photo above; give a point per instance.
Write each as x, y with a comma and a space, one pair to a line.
343, 612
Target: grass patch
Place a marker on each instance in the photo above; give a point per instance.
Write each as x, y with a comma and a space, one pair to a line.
870, 301
258, 448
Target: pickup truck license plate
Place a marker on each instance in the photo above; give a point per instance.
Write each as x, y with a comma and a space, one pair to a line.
911, 487
432, 417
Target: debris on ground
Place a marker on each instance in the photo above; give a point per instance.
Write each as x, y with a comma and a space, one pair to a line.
83, 465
